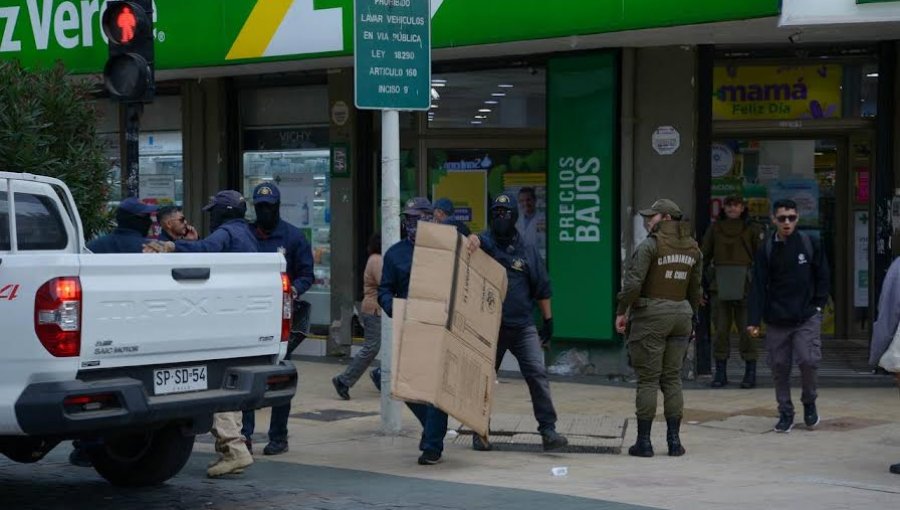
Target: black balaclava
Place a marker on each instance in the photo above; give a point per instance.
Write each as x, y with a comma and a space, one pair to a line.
503, 225
410, 223
267, 215
219, 214
137, 222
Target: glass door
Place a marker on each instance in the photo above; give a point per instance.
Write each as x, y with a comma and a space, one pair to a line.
302, 176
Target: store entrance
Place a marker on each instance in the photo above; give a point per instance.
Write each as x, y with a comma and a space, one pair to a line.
829, 179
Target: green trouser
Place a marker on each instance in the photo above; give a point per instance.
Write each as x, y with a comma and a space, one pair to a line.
728, 313
657, 345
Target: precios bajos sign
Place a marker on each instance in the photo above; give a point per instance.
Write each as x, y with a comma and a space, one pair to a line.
777, 92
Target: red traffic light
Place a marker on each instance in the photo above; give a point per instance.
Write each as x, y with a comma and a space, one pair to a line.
125, 21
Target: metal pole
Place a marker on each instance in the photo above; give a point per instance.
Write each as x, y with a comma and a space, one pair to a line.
391, 418
129, 133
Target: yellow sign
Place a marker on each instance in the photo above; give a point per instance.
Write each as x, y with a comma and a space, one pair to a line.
777, 92
468, 191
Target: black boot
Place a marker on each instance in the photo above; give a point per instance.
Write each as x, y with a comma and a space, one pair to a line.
721, 377
642, 447
672, 427
749, 375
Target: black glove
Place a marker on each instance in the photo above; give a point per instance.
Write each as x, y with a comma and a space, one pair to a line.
546, 333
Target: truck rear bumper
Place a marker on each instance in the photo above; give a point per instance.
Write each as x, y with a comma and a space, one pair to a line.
124, 402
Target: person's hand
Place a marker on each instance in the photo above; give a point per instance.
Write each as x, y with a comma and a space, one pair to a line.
621, 323
546, 333
159, 247
753, 331
294, 293
703, 300
191, 234
473, 243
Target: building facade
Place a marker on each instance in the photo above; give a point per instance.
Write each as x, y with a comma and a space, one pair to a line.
595, 109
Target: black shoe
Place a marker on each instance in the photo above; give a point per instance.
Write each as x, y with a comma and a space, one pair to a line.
785, 423
721, 377
79, 457
642, 447
275, 448
553, 440
673, 425
342, 390
810, 415
480, 445
895, 469
375, 375
749, 375
429, 458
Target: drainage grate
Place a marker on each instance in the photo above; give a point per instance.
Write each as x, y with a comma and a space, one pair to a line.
586, 434
332, 415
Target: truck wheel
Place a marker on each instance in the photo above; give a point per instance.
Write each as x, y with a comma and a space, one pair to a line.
144, 458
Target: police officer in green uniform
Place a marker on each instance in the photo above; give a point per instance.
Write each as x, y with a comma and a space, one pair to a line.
729, 246
659, 296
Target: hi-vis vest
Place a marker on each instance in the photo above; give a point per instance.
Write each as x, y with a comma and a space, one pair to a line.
676, 255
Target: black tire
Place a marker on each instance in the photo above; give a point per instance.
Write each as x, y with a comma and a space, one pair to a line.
143, 459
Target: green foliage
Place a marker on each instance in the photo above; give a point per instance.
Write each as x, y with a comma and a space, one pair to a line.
48, 126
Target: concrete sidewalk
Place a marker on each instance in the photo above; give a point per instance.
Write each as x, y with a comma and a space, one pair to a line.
733, 461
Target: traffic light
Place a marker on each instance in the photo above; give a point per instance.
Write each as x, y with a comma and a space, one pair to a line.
129, 70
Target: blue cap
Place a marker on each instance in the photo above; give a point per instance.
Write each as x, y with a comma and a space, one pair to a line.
505, 201
266, 193
227, 198
445, 205
418, 206
134, 206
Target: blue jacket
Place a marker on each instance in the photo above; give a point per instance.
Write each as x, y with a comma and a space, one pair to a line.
527, 277
164, 237
232, 236
460, 226
120, 240
396, 266
288, 239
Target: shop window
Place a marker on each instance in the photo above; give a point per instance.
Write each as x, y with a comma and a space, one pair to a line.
498, 99
301, 171
472, 178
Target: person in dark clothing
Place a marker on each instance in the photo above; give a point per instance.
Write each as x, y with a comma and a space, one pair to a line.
274, 235
133, 221
230, 231
174, 225
396, 268
443, 213
790, 288
528, 284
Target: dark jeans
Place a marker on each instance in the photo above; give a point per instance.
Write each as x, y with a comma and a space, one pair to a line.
434, 426
803, 344
525, 345
277, 425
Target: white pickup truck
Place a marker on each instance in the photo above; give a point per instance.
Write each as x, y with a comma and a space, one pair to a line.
132, 352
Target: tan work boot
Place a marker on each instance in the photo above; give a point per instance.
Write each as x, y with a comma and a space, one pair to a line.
229, 465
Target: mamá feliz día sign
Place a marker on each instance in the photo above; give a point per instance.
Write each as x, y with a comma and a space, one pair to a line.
777, 92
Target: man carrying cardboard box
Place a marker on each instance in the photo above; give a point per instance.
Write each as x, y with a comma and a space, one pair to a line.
395, 274
528, 283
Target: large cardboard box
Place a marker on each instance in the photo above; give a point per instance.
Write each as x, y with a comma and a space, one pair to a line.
445, 333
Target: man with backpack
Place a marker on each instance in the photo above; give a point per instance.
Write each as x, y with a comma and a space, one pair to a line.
789, 290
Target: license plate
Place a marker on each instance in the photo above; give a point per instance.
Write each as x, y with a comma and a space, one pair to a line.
179, 380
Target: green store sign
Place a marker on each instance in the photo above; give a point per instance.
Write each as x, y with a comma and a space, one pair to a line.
200, 33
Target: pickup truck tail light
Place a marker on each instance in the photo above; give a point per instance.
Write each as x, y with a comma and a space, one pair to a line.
57, 316
287, 307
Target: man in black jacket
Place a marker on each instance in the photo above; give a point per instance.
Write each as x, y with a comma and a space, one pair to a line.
790, 288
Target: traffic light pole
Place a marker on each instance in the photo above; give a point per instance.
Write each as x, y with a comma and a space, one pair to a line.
129, 135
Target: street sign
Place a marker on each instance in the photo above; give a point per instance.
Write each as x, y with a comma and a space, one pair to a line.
392, 54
